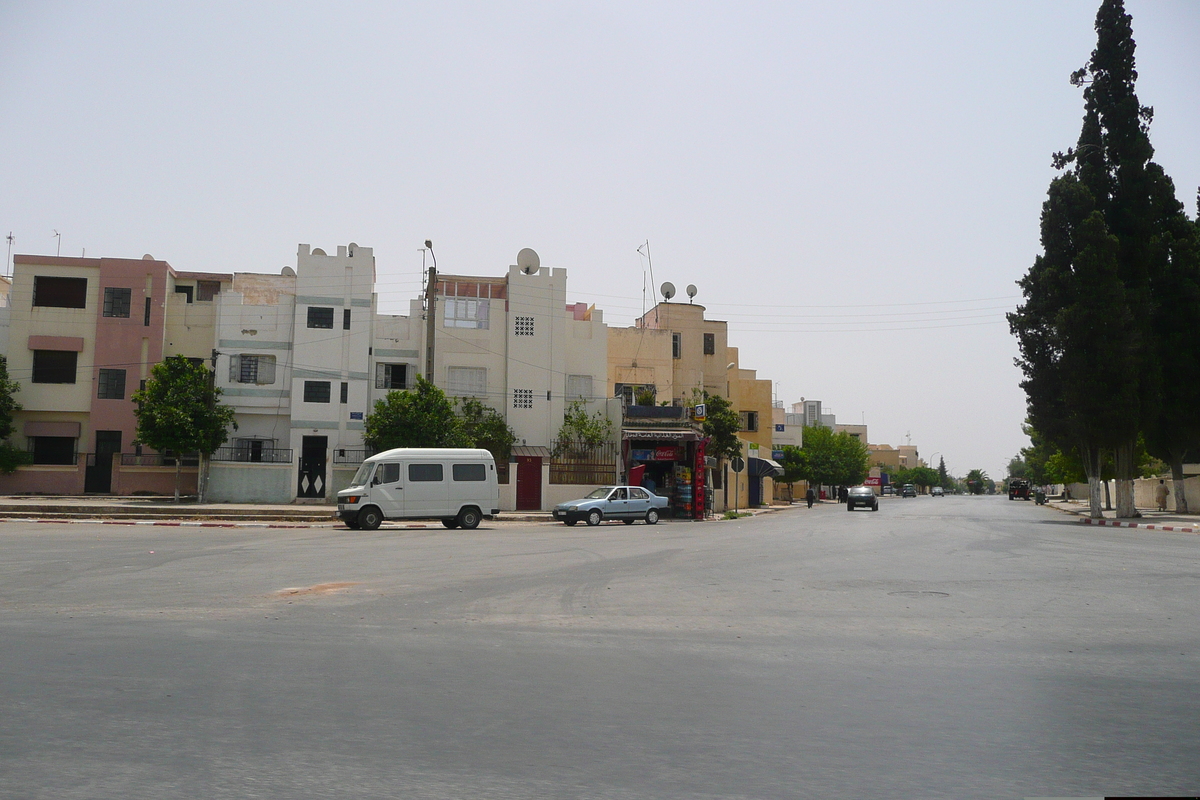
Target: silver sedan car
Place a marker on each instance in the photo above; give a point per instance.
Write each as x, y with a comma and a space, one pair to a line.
626, 503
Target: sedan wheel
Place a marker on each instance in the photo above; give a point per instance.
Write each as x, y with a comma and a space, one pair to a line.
627, 521
594, 516
652, 516
569, 522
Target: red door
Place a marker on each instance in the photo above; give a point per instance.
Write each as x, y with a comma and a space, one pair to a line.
529, 483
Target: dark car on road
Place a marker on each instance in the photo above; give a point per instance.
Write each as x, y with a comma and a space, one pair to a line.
908, 491
862, 496
1018, 489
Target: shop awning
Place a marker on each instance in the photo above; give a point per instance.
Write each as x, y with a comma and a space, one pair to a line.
765, 468
659, 434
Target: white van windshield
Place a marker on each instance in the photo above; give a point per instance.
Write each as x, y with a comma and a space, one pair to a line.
360, 477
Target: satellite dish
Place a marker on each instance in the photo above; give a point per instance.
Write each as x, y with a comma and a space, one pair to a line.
528, 261
288, 271
691, 291
667, 290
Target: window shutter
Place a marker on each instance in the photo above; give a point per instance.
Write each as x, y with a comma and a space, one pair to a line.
235, 369
380, 376
266, 370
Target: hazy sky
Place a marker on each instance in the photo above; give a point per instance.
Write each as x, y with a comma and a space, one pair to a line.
854, 186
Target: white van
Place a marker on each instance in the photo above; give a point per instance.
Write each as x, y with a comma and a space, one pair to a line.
457, 486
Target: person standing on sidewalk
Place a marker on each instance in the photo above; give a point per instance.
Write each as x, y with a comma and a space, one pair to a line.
1160, 494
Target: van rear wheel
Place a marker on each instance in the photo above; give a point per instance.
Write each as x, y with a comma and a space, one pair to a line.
469, 518
370, 518
450, 523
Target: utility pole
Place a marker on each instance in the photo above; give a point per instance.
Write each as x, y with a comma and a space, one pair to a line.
430, 317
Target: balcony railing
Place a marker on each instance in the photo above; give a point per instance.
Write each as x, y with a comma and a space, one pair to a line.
251, 455
342, 455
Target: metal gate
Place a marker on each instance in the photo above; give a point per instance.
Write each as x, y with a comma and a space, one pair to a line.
312, 466
98, 476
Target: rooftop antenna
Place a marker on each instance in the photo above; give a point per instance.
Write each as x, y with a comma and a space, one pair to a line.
8, 260
58, 235
645, 250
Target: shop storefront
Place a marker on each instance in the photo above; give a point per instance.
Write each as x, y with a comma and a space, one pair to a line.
670, 463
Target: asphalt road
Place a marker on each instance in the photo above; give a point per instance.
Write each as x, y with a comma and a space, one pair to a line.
957, 647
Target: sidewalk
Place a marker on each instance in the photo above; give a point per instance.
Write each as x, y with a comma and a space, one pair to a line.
1151, 519
163, 511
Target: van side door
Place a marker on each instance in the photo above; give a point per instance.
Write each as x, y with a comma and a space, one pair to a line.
387, 489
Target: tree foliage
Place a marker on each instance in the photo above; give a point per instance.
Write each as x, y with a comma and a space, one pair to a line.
10, 457
420, 417
721, 425
833, 459
978, 481
180, 411
583, 432
485, 428
1105, 302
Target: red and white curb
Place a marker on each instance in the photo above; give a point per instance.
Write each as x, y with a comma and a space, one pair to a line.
1116, 523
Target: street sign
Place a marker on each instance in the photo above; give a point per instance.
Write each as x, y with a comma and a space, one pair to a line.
738, 464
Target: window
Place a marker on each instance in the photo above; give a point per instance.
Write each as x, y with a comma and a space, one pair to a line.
630, 392
111, 385
523, 326
320, 317
710, 344
462, 312
52, 292
522, 398
207, 290
345, 319
316, 391
345, 397
677, 345
639, 494
187, 291
579, 387
418, 473
259, 370
466, 381
749, 420
54, 366
391, 376
387, 473
146, 319
252, 449
53, 450
116, 302
468, 472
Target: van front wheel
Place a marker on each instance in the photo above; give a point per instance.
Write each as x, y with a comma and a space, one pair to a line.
370, 518
469, 518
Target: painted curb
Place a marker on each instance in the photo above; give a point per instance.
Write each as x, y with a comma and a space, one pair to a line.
1114, 523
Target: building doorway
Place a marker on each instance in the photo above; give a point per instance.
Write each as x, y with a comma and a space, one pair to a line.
312, 466
98, 476
529, 483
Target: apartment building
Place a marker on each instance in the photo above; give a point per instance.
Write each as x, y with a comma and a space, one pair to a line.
83, 334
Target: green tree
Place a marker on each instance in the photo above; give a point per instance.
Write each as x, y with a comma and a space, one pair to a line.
420, 417
944, 479
721, 425
10, 457
978, 481
1017, 468
834, 459
1135, 202
795, 467
180, 412
582, 432
924, 477
484, 427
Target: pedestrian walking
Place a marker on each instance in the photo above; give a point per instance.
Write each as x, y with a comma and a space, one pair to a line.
1160, 494
809, 496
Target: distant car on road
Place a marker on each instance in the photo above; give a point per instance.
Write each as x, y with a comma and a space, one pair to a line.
862, 496
626, 503
937, 491
908, 491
